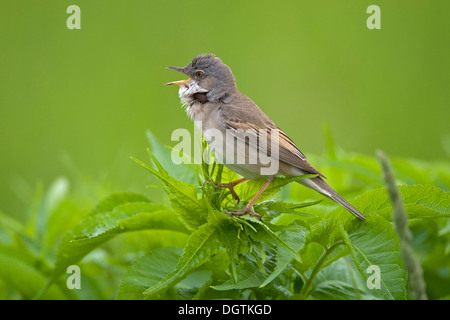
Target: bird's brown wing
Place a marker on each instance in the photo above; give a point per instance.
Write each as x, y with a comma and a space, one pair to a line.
248, 121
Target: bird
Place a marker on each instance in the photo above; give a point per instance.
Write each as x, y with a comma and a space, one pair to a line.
212, 100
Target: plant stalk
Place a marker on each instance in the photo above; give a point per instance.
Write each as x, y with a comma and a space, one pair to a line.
400, 219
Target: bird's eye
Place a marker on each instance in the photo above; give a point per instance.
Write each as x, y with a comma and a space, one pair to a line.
199, 74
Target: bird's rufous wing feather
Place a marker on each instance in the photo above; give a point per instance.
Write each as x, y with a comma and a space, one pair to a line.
242, 125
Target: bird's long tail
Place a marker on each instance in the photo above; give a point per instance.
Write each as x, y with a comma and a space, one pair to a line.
319, 185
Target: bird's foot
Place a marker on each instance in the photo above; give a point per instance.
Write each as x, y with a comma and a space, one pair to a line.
242, 212
229, 186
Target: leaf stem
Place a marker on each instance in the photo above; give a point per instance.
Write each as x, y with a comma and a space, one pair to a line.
306, 289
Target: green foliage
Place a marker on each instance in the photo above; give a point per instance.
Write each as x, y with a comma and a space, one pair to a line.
115, 215
185, 247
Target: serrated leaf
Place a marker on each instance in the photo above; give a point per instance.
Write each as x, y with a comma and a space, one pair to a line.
98, 228
423, 202
322, 232
184, 171
294, 238
270, 209
276, 240
340, 281
201, 245
229, 237
147, 271
115, 199
249, 275
375, 243
183, 197
129, 217
420, 201
322, 235
258, 270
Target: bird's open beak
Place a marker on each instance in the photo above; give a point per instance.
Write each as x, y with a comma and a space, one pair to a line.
180, 82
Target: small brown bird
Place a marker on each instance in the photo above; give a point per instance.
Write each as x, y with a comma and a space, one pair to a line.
213, 100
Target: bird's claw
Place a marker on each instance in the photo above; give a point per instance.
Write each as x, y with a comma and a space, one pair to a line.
242, 212
229, 186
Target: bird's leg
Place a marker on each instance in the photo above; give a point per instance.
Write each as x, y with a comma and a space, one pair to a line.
249, 206
230, 186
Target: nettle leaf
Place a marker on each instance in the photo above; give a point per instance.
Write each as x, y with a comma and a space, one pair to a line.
184, 171
229, 237
183, 196
294, 238
147, 271
260, 267
264, 232
200, 247
116, 199
420, 201
129, 217
323, 234
251, 273
340, 281
270, 209
101, 226
375, 243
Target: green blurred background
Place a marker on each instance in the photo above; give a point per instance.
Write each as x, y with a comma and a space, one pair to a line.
84, 98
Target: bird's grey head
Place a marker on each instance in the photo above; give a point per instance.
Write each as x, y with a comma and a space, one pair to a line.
209, 80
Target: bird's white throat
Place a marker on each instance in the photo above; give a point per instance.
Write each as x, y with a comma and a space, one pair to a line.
186, 93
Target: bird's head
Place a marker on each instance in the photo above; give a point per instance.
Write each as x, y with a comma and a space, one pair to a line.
209, 80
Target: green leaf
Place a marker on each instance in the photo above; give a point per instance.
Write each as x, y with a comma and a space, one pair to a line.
338, 281
323, 232
259, 269
375, 243
22, 275
184, 171
270, 209
250, 274
294, 238
322, 236
420, 201
182, 195
201, 245
147, 271
423, 202
274, 238
129, 217
229, 237
100, 227
116, 199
